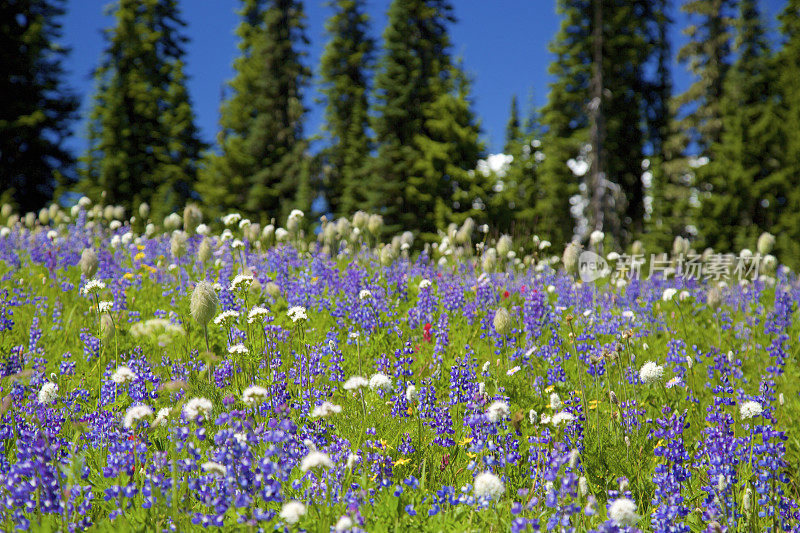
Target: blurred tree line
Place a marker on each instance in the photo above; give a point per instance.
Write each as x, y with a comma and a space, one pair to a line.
612, 149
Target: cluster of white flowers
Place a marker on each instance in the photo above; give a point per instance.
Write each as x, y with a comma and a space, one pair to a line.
562, 416
424, 284
238, 349
343, 524
555, 401
292, 511
411, 393
364, 294
48, 393
122, 375
380, 381
315, 459
241, 282
497, 411
622, 512
668, 294
651, 372
257, 313
231, 219
750, 409
325, 409
105, 306
355, 383
212, 467
226, 318
136, 413
296, 313
254, 394
488, 485
93, 286
162, 416
196, 407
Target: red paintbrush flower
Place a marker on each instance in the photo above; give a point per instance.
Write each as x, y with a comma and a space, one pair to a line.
426, 332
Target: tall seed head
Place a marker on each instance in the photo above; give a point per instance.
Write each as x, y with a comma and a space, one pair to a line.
177, 243
107, 327
204, 251
192, 217
204, 302
88, 263
765, 243
502, 321
570, 257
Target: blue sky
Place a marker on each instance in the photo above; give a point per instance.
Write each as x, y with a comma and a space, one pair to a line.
503, 44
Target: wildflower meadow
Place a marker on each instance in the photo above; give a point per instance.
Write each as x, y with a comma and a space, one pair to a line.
324, 377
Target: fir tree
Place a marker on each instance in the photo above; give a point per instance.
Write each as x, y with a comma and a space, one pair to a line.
143, 143
263, 168
36, 113
743, 193
787, 65
513, 131
410, 85
344, 69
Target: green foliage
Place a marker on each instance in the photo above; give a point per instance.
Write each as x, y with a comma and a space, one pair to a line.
36, 111
263, 167
423, 122
744, 194
344, 69
143, 142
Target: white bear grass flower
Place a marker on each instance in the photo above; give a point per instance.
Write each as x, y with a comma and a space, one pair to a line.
325, 409
213, 467
197, 407
651, 372
292, 511
135, 413
488, 485
497, 411
622, 512
123, 375
315, 459
379, 381
47, 393
750, 409
254, 394
297, 313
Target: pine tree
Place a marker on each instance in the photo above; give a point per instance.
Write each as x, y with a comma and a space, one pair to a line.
708, 55
736, 209
449, 151
786, 204
412, 77
263, 168
143, 142
513, 131
36, 113
344, 68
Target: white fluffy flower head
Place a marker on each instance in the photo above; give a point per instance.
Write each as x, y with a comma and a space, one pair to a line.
136, 413
254, 394
379, 381
622, 512
292, 511
563, 416
488, 485
196, 407
651, 372
668, 294
297, 313
365, 294
315, 459
355, 383
325, 409
47, 393
497, 411
212, 467
750, 409
122, 375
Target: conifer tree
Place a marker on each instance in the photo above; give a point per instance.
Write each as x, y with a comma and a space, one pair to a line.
513, 131
415, 73
36, 113
787, 67
143, 143
263, 167
736, 209
344, 69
